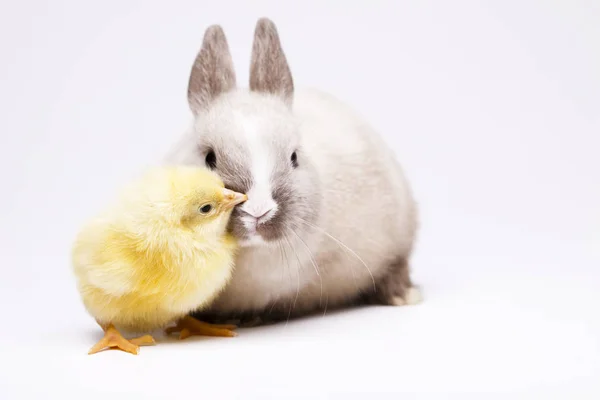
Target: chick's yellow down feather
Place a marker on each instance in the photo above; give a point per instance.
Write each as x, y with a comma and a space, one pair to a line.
159, 252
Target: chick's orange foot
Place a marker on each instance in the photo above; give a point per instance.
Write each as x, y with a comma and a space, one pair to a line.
114, 340
189, 326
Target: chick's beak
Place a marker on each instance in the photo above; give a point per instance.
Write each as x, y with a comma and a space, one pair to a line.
232, 198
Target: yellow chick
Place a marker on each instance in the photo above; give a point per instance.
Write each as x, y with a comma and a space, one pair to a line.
159, 253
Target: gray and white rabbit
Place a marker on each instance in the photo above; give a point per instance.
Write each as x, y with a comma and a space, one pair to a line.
330, 220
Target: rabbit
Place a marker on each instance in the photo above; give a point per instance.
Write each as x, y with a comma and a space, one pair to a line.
330, 220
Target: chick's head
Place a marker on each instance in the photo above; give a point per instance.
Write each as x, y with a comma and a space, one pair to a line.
191, 198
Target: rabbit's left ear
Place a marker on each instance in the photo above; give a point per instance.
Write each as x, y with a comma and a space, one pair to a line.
269, 70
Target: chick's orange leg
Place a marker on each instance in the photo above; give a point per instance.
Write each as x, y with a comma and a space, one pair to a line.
189, 326
113, 339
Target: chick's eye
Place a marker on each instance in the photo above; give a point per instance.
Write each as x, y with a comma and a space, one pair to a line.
294, 159
211, 160
205, 209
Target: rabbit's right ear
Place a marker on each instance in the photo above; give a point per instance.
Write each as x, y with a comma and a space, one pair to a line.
212, 73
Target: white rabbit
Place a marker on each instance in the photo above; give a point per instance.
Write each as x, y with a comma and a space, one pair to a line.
330, 220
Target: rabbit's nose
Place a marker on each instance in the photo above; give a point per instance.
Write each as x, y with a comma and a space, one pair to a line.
259, 216
259, 208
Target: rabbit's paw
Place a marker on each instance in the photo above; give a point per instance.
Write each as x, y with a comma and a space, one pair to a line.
412, 296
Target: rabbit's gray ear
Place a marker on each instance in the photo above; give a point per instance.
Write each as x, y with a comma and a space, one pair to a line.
269, 70
212, 73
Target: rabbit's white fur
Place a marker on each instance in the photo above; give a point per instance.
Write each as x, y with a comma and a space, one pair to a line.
362, 218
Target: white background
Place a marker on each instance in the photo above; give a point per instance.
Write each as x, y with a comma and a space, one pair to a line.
492, 107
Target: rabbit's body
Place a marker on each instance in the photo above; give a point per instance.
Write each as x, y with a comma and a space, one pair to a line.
366, 206
340, 218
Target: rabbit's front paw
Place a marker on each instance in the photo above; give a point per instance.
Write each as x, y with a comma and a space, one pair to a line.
412, 296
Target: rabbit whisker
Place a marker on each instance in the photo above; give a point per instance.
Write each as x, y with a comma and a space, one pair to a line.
339, 242
293, 305
314, 263
280, 247
289, 273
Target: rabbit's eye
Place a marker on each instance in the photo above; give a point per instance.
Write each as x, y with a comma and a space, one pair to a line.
294, 159
211, 160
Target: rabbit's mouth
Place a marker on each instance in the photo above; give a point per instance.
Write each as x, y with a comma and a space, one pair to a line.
257, 228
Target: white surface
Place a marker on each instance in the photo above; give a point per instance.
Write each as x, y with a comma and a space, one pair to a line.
493, 109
